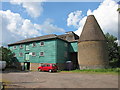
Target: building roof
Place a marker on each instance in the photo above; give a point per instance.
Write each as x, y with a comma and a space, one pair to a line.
69, 36
35, 39
72, 37
91, 30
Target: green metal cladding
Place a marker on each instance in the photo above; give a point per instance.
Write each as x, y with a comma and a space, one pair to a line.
73, 47
55, 51
62, 51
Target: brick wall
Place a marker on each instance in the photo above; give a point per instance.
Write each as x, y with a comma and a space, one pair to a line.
92, 54
34, 66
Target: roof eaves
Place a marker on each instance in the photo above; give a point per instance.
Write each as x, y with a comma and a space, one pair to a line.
30, 41
62, 39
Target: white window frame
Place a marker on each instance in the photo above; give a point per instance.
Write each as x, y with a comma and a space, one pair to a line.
21, 54
66, 54
14, 55
33, 44
41, 43
42, 53
21, 46
34, 53
14, 47
66, 45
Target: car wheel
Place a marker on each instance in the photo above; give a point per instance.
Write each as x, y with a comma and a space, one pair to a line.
50, 70
39, 70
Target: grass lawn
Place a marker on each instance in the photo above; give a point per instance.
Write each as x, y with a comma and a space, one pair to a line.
105, 71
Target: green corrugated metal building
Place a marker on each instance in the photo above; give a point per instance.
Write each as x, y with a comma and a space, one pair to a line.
63, 49
51, 48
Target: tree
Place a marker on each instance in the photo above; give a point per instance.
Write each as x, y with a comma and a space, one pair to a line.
113, 50
118, 10
118, 6
6, 55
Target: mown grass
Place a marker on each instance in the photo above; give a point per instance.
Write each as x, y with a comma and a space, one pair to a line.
106, 71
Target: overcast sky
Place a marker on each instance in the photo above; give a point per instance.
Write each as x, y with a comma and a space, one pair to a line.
22, 20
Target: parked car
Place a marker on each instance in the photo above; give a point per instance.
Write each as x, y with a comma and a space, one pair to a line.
48, 67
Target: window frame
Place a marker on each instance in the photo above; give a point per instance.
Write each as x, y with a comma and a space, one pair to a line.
41, 54
21, 46
14, 47
14, 55
41, 43
34, 54
21, 54
65, 54
33, 44
66, 45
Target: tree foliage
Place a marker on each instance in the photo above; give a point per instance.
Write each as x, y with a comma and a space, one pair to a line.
113, 50
118, 10
6, 55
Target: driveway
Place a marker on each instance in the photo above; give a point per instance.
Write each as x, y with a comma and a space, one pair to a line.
59, 80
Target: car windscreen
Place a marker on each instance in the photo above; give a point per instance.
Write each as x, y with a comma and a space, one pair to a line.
54, 65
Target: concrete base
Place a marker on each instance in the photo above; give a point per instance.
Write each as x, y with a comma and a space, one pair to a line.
93, 67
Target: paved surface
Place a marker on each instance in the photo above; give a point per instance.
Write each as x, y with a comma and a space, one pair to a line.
60, 80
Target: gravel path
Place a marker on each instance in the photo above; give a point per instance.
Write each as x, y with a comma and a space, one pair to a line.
60, 80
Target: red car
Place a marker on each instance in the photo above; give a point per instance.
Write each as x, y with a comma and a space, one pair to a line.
48, 67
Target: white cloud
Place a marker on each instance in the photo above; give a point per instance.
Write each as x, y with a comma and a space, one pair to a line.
89, 12
106, 15
34, 9
48, 27
15, 28
74, 18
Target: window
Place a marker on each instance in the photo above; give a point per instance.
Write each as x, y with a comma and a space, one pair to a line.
69, 38
41, 53
65, 54
54, 65
27, 47
66, 44
14, 47
41, 43
34, 44
21, 46
14, 55
33, 53
44, 65
20, 54
48, 65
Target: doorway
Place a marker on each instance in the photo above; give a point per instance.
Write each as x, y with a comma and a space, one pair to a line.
26, 65
74, 59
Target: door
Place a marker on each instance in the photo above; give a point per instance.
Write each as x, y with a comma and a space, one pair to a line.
73, 57
26, 65
44, 67
27, 56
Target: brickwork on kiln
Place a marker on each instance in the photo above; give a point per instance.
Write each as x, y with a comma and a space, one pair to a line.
92, 53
